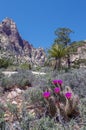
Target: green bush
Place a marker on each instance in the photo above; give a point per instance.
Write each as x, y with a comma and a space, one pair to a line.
4, 63
80, 61
2, 121
23, 83
7, 83
38, 68
34, 95
21, 79
45, 123
25, 66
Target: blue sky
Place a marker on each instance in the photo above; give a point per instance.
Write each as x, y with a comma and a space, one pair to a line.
38, 19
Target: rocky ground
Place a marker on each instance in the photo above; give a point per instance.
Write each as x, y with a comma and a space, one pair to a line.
15, 98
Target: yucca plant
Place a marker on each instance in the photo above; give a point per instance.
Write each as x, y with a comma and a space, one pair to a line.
57, 51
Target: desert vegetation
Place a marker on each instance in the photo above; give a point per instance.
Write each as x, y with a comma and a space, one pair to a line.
53, 101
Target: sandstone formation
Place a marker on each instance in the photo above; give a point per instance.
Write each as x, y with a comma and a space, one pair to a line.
12, 45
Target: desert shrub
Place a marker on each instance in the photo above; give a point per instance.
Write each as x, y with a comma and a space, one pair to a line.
75, 45
38, 68
34, 95
78, 63
40, 81
21, 79
2, 121
25, 66
24, 83
4, 63
26, 118
45, 123
7, 83
83, 109
76, 66
12, 108
22, 119
1, 76
46, 69
12, 68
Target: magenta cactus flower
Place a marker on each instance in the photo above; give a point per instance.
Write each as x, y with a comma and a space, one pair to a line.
68, 95
59, 81
46, 94
55, 81
57, 90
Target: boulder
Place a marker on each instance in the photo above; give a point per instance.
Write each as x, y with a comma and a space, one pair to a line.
12, 95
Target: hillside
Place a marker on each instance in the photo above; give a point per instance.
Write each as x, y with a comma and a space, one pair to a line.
13, 46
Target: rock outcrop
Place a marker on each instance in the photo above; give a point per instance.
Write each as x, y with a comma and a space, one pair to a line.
78, 57
12, 45
78, 54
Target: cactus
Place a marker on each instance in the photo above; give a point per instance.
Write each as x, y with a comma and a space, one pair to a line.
63, 102
72, 101
52, 109
68, 107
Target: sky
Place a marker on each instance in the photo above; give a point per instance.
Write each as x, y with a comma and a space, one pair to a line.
37, 20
